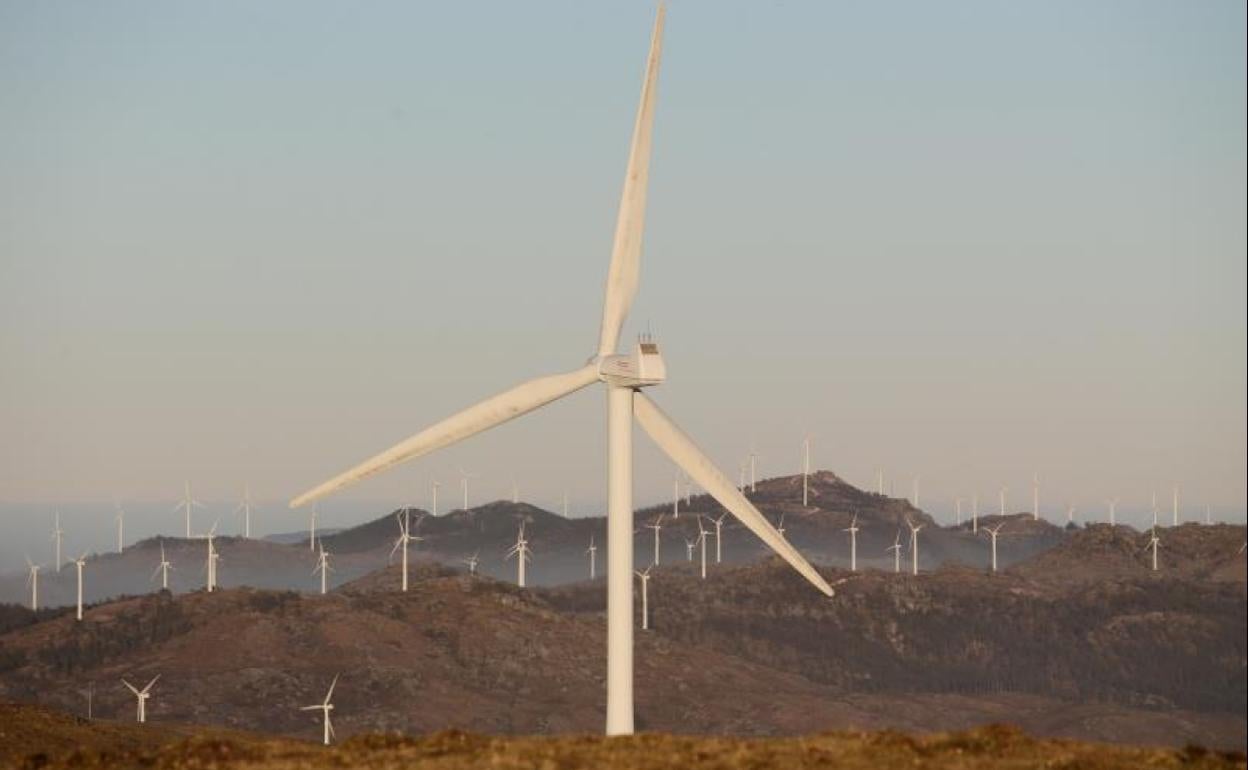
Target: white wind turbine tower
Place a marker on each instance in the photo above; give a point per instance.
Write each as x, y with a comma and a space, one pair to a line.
244, 508
852, 529
592, 550
780, 526
806, 471
32, 580
142, 696
1070, 513
313, 515
914, 546
1208, 514
188, 504
1001, 495
753, 470
80, 562
703, 533
325, 707
1154, 509
120, 518
975, 512
1153, 542
719, 536
405, 537
163, 568
210, 566
58, 536
1113, 511
993, 532
1175, 508
656, 525
322, 566
521, 551
689, 546
879, 481
896, 549
565, 503
676, 496
515, 492
433, 485
741, 475
1035, 496
472, 562
957, 507
463, 474
914, 493
645, 603
624, 376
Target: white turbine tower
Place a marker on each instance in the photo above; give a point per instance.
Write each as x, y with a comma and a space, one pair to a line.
656, 525
58, 536
753, 470
1070, 514
463, 474
1001, 495
914, 546
162, 568
975, 512
32, 580
1154, 509
806, 471
957, 508
325, 707
1035, 496
433, 486
852, 529
521, 551
780, 526
210, 563
914, 493
689, 546
472, 562
719, 536
703, 533
1175, 506
405, 537
645, 602
896, 549
1153, 542
322, 567
187, 505
592, 550
879, 481
515, 492
142, 696
565, 503
244, 508
1113, 511
624, 376
79, 563
120, 518
313, 515
676, 496
992, 531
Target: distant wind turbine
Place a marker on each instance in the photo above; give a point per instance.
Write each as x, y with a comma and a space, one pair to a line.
58, 536
1001, 494
187, 505
521, 551
657, 526
719, 537
896, 549
1113, 511
404, 539
162, 568
1035, 496
210, 566
32, 580
993, 532
806, 471
676, 496
852, 529
325, 707
689, 546
1153, 542
975, 512
702, 535
472, 562
914, 493
433, 486
80, 562
780, 525
313, 515
120, 518
914, 546
463, 484
244, 507
645, 604
515, 492
753, 470
879, 481
957, 505
592, 550
1070, 513
322, 566
142, 696
1154, 509
1175, 508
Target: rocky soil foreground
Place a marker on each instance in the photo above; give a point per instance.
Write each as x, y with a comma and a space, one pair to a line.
32, 737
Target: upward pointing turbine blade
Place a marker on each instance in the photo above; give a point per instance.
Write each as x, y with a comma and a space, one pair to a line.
493, 411
678, 446
623, 275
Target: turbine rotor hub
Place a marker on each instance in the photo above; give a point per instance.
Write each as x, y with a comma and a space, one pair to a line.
641, 368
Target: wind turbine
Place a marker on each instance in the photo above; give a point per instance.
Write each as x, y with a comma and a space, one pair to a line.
592, 550
322, 566
244, 508
188, 504
313, 515
1153, 542
1208, 515
1113, 511
405, 537
515, 492
656, 525
624, 376
806, 471
689, 546
676, 496
993, 532
58, 536
719, 536
325, 707
753, 470
975, 512
702, 535
1001, 495
896, 549
645, 604
565, 503
521, 551
1035, 496
210, 566
914, 493
80, 562
780, 526
957, 506
741, 475
433, 485
142, 696
463, 474
879, 481
1175, 508
163, 568
914, 546
32, 580
472, 562
1070, 514
120, 518
852, 529
1154, 509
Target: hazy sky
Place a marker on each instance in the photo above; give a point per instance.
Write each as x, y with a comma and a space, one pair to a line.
260, 241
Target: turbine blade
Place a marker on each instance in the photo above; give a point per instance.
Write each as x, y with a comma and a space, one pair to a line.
332, 685
681, 449
507, 405
625, 268
149, 684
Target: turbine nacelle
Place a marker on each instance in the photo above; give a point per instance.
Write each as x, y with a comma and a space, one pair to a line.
641, 368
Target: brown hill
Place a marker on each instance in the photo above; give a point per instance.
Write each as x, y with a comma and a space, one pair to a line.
1099, 551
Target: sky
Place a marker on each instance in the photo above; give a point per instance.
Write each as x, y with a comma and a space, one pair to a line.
250, 243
